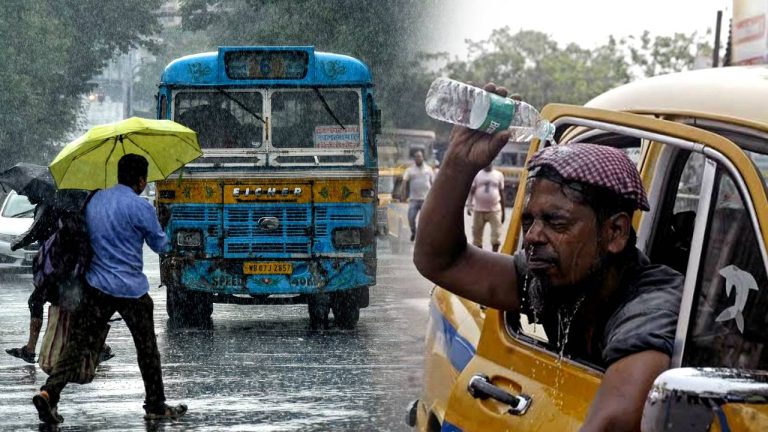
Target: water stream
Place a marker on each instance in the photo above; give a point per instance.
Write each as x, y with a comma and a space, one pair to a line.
564, 324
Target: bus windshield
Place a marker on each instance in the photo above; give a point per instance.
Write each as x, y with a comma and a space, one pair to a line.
321, 119
327, 119
223, 120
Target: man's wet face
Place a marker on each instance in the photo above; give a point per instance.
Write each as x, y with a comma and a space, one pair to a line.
560, 236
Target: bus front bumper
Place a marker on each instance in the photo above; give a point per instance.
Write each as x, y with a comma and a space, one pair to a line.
306, 276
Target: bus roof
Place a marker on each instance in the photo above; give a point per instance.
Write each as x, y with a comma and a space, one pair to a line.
323, 69
737, 92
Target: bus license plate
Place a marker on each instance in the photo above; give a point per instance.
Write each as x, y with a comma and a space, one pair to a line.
250, 267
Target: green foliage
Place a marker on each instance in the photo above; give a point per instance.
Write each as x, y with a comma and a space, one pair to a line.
533, 65
173, 42
666, 54
50, 50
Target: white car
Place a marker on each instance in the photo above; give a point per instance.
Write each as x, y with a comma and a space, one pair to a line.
16, 216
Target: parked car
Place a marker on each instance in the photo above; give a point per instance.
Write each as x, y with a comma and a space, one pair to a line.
700, 140
16, 216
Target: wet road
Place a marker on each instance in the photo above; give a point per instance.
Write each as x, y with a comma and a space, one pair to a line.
258, 369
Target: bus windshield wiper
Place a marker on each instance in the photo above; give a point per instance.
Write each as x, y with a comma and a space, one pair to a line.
242, 105
327, 107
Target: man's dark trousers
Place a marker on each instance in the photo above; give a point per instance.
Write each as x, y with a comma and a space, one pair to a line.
89, 321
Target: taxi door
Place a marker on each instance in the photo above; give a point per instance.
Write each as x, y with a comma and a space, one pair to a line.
515, 381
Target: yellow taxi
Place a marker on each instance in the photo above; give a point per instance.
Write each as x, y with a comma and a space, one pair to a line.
700, 140
385, 191
392, 212
510, 162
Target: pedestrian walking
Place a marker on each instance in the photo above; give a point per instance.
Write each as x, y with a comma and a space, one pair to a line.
119, 223
36, 184
485, 204
42, 227
417, 180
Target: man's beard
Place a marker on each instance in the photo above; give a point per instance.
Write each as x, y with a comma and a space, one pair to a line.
543, 293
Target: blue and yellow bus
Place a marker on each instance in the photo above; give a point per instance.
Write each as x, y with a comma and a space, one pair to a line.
281, 206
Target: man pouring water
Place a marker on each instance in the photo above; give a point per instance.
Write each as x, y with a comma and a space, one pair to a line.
579, 275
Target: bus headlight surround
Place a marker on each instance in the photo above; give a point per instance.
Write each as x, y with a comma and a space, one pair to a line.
189, 238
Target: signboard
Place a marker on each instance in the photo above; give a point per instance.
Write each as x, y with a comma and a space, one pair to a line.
334, 137
254, 65
749, 39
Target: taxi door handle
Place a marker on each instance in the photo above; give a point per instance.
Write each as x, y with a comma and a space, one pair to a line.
480, 387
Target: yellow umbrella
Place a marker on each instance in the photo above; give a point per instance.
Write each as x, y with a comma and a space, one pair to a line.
90, 161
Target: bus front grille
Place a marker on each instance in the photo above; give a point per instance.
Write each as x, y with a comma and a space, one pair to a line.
247, 236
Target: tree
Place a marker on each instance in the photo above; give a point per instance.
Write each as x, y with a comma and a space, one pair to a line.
52, 49
173, 42
658, 55
533, 65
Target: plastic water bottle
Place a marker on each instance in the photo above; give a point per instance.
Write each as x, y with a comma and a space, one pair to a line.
458, 103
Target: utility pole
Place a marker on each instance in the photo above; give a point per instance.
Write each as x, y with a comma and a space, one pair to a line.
716, 50
125, 75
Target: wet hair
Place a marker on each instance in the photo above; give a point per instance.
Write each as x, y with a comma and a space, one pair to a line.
604, 202
131, 168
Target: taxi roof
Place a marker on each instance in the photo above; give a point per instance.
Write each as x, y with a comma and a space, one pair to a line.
738, 92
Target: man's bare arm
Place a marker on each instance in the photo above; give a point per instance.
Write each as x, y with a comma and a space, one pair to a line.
441, 252
618, 405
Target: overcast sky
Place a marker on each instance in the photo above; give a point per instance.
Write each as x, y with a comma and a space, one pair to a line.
585, 22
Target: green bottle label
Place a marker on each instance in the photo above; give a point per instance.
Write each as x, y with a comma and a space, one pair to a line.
500, 115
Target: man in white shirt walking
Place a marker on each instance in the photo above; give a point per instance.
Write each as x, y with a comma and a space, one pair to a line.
417, 180
487, 192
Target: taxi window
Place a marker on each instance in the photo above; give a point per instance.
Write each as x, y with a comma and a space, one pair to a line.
761, 162
677, 215
730, 311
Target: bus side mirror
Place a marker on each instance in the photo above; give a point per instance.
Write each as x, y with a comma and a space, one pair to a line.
376, 121
692, 399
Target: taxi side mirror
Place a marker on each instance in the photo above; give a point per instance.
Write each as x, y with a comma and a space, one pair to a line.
692, 399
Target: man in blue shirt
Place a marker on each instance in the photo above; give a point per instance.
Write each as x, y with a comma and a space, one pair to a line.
119, 222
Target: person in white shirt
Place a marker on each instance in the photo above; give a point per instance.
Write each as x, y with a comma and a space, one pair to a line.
487, 192
417, 180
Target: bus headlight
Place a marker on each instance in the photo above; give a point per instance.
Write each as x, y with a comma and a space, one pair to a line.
367, 193
189, 238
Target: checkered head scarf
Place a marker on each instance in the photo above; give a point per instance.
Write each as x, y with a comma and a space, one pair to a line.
594, 165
